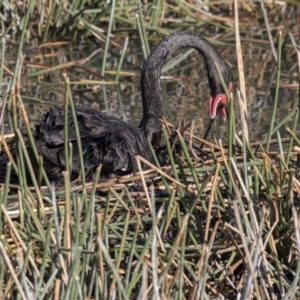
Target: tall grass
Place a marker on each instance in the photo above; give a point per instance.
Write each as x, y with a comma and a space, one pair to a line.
218, 222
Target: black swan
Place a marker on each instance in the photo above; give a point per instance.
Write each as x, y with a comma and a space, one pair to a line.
114, 143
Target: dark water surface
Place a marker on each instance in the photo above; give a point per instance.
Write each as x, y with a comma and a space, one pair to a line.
185, 90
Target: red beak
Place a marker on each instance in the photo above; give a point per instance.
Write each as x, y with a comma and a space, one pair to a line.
217, 104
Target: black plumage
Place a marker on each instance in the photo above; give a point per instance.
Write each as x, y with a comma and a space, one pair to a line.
114, 143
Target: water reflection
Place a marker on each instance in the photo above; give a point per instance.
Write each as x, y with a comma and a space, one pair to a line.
185, 95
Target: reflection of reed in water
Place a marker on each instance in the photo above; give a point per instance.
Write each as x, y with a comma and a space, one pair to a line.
182, 99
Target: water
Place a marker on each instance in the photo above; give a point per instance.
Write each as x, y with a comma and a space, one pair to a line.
186, 93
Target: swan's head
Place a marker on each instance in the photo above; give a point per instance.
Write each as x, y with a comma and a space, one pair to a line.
218, 102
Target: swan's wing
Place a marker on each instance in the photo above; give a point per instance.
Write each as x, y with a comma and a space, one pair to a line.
105, 140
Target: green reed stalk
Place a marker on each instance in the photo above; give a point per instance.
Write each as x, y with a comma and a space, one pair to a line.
67, 217
78, 140
268, 29
165, 183
50, 17
58, 13
276, 91
189, 161
180, 170
39, 159
279, 143
76, 5
89, 223
200, 192
176, 60
3, 199
19, 154
36, 221
6, 183
73, 274
40, 170
293, 135
2, 270
133, 206
31, 171
122, 58
245, 138
136, 273
157, 9
282, 122
294, 127
50, 283
5, 31
66, 124
108, 34
154, 246
142, 30
120, 253
20, 43
100, 258
11, 269
231, 130
168, 216
3, 47
294, 286
45, 256
181, 266
23, 265
173, 251
119, 198
172, 162
113, 269
105, 215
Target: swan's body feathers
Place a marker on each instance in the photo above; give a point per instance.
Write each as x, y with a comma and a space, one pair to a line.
105, 140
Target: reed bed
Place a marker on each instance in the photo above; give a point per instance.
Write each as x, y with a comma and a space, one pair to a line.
206, 220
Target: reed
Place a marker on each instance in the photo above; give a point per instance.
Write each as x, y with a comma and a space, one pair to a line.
215, 219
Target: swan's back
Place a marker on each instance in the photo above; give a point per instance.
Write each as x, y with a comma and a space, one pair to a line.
105, 140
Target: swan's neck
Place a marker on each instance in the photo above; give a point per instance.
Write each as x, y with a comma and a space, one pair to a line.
150, 79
